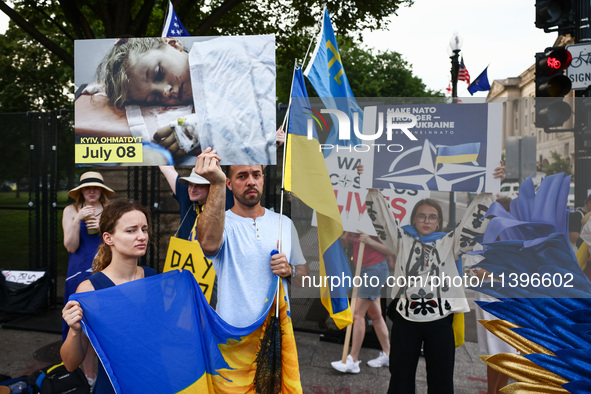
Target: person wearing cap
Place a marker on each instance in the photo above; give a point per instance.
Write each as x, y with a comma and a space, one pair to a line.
191, 193
82, 238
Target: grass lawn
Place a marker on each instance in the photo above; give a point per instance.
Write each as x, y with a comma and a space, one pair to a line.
14, 232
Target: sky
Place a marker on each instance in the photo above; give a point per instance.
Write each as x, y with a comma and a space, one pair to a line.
500, 33
3, 22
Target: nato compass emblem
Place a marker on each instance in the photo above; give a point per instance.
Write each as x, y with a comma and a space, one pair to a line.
430, 167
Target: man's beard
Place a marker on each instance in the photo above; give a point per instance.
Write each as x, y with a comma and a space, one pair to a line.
249, 201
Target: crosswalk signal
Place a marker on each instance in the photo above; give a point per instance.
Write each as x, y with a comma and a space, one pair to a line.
556, 15
551, 86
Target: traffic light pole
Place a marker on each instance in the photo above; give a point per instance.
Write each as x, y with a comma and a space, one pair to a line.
582, 175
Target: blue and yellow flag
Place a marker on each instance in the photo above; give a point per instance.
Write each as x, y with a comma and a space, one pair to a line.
159, 335
307, 177
537, 312
326, 73
464, 153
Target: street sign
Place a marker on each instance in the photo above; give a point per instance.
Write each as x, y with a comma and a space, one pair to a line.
579, 71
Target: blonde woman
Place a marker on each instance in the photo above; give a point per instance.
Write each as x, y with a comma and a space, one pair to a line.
80, 223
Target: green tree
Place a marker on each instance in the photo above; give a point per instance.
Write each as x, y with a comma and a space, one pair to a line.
558, 165
55, 24
381, 74
31, 79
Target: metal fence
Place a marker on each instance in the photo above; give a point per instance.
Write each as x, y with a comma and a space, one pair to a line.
51, 172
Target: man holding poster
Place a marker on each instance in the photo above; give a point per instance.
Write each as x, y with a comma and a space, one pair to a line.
241, 242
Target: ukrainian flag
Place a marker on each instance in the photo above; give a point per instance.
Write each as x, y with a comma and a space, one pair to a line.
159, 335
464, 153
307, 177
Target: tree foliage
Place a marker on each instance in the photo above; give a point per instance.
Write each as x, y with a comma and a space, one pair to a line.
87, 19
558, 165
55, 24
381, 74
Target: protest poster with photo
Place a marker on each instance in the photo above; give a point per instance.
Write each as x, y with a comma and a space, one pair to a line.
351, 188
159, 101
455, 147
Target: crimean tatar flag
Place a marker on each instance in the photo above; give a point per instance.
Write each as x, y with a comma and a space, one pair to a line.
307, 177
172, 25
464, 153
326, 73
159, 335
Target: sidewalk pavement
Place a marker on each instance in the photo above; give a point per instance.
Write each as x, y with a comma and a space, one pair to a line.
24, 352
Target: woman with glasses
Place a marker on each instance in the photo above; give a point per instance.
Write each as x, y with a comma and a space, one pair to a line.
428, 288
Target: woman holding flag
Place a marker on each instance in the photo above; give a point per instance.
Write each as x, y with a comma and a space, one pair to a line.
124, 230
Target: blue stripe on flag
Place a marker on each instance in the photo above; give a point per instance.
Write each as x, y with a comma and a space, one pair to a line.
457, 150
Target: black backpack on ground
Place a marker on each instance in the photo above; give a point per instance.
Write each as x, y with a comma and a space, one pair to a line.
56, 379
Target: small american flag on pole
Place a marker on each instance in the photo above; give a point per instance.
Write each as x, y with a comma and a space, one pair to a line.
463, 74
172, 25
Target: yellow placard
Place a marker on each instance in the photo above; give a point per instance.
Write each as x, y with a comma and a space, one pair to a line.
187, 255
109, 153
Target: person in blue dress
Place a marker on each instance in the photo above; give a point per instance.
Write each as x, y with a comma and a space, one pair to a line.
125, 234
80, 223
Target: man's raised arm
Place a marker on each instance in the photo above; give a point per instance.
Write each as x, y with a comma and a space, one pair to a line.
210, 227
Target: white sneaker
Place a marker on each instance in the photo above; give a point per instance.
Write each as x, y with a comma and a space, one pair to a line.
350, 367
383, 360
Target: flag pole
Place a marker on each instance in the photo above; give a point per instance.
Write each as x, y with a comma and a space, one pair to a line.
167, 19
283, 125
314, 37
353, 301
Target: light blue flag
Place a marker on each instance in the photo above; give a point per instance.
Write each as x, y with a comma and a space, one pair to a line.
172, 25
326, 73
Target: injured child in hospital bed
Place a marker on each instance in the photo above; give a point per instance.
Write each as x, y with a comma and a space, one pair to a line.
220, 94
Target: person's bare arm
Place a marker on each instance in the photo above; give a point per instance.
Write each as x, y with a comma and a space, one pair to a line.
170, 174
71, 225
75, 347
377, 245
210, 226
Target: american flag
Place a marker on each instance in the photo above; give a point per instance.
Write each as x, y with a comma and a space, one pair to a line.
173, 26
463, 74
